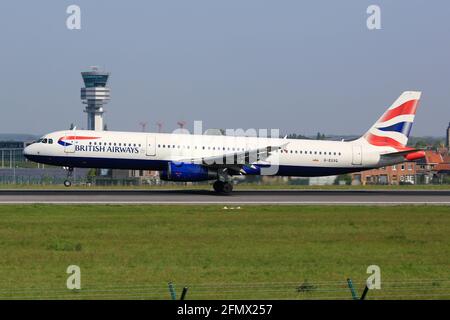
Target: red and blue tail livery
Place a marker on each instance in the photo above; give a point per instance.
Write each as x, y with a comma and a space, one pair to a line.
394, 126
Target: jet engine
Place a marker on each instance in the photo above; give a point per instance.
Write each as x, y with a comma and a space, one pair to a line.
179, 171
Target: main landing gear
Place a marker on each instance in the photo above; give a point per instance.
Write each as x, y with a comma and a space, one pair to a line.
224, 184
223, 187
67, 182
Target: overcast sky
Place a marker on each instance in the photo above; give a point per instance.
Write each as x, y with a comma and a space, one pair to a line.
301, 66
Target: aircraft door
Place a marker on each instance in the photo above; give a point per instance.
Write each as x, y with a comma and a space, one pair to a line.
150, 147
357, 155
69, 142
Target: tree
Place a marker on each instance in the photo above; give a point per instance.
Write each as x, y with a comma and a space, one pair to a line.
320, 136
343, 177
92, 173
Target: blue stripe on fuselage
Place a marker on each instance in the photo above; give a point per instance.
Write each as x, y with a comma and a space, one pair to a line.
150, 164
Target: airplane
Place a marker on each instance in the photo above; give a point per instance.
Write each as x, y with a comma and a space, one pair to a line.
192, 157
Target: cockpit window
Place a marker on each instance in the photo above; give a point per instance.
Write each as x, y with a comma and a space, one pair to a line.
44, 140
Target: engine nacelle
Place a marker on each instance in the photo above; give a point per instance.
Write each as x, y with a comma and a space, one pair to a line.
251, 170
179, 171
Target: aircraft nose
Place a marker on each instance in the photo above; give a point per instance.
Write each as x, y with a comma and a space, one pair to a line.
29, 151
26, 151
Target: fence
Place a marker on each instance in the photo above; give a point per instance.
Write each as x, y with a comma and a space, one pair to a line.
302, 290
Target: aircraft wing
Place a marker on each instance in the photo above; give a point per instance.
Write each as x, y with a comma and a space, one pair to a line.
236, 160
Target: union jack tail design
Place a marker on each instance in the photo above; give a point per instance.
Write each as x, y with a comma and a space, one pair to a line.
394, 126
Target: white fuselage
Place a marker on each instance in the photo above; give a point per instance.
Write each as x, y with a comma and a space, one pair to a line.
153, 151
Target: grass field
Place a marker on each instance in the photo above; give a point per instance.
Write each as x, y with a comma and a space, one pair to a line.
274, 252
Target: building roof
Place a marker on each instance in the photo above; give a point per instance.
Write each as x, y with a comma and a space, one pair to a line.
432, 157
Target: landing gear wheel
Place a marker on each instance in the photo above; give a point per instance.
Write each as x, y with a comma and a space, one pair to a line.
67, 183
227, 188
218, 186
222, 187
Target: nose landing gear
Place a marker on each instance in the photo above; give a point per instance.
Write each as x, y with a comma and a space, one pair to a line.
67, 182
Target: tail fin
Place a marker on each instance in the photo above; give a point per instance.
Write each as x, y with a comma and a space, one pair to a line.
394, 126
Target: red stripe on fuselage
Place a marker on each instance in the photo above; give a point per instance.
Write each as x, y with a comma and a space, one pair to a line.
78, 138
409, 107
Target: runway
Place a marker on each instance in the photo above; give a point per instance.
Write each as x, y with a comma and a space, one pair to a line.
250, 197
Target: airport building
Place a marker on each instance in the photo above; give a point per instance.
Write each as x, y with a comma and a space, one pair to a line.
11, 154
95, 94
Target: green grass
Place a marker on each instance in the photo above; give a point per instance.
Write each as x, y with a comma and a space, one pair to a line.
278, 252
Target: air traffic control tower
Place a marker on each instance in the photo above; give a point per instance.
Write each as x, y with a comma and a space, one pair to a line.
95, 94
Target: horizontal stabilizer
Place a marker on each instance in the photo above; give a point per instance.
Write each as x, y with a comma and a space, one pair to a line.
410, 154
